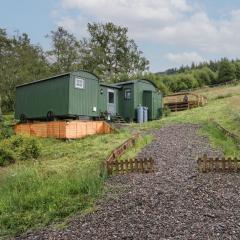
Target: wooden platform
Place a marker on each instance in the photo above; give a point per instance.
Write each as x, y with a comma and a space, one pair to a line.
175, 102
63, 129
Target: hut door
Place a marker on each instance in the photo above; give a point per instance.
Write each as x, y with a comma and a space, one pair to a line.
111, 102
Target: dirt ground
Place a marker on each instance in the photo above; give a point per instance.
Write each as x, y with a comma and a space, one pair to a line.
175, 202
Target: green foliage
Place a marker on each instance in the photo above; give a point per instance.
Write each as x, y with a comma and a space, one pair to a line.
6, 156
20, 148
65, 50
166, 111
237, 70
226, 71
20, 62
23, 147
109, 52
6, 131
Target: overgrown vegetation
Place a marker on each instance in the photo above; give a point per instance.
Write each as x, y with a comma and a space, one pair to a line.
66, 178
19, 148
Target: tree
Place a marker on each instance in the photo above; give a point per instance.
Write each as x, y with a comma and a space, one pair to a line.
226, 71
20, 62
1, 118
65, 53
109, 52
237, 70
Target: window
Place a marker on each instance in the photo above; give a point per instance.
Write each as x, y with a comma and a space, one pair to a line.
79, 83
127, 94
110, 97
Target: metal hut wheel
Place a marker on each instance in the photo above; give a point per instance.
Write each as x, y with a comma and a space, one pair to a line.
50, 116
23, 118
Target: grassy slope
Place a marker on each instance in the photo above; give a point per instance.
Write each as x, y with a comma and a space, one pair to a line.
68, 177
223, 107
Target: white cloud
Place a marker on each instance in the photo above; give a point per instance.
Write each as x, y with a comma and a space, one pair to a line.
185, 58
174, 23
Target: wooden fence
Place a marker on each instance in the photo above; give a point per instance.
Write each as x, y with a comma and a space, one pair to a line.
63, 129
206, 164
175, 102
114, 165
181, 106
234, 137
145, 165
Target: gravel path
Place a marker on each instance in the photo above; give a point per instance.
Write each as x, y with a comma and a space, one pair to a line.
176, 202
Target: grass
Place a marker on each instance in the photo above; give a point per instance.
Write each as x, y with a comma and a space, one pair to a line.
214, 92
65, 180
69, 176
140, 144
225, 111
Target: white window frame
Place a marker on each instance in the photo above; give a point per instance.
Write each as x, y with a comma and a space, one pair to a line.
79, 83
127, 94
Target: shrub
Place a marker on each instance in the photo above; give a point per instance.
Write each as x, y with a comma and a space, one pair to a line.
6, 156
5, 131
23, 148
166, 111
29, 149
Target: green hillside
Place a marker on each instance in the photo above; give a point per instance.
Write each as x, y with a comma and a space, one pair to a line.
68, 177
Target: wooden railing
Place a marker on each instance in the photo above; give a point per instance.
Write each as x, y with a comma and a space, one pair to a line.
181, 106
114, 165
206, 164
175, 102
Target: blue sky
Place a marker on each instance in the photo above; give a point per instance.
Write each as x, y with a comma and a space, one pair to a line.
169, 32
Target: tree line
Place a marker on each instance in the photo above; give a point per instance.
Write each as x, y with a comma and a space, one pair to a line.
195, 76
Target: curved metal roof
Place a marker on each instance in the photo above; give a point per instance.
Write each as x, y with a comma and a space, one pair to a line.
56, 76
134, 81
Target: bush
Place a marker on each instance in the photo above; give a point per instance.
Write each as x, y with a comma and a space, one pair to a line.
21, 148
5, 131
166, 111
29, 149
6, 156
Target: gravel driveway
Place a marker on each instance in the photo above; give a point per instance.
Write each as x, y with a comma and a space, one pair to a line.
176, 202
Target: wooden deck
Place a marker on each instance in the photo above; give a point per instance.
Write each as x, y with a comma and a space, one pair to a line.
63, 129
175, 102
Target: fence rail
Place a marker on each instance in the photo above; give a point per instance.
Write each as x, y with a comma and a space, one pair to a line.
206, 164
145, 165
235, 137
180, 106
114, 165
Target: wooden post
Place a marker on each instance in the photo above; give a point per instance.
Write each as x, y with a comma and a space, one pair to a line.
223, 163
204, 162
216, 164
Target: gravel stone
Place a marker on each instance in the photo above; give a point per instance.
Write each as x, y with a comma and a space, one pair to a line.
175, 202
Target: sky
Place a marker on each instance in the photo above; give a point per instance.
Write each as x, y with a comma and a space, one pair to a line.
170, 33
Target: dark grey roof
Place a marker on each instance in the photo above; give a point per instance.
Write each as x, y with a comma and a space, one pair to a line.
134, 81
110, 85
